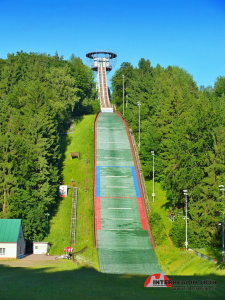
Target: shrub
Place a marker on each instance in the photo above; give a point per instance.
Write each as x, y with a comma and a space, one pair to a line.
158, 228
177, 232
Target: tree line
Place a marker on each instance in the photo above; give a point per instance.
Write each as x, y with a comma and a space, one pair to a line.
184, 125
181, 123
39, 95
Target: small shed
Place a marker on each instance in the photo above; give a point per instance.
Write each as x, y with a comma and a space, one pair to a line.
12, 242
40, 247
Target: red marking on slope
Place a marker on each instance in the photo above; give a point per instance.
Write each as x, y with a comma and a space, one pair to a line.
142, 214
98, 223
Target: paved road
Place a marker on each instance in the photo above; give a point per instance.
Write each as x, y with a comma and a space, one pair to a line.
29, 260
38, 257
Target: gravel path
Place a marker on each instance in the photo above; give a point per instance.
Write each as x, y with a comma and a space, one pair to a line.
29, 260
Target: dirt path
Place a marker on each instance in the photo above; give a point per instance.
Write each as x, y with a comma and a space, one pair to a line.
29, 260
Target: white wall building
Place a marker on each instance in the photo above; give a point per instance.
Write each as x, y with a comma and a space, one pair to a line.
12, 242
40, 247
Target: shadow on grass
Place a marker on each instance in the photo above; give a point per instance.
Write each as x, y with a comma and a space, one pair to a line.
215, 253
78, 119
221, 265
86, 283
64, 141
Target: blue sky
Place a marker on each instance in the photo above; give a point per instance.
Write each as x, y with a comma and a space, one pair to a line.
189, 34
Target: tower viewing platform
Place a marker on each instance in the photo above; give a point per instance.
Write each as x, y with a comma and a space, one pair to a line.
101, 63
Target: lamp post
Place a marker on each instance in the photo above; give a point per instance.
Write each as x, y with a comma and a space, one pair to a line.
153, 176
222, 189
47, 215
123, 94
186, 239
139, 123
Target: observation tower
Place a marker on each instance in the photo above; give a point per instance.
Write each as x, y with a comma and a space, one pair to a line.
102, 63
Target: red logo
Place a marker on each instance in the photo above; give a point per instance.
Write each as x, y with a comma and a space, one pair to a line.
158, 280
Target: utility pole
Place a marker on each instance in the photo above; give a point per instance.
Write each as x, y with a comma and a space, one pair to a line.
222, 189
153, 176
139, 124
47, 215
186, 235
123, 94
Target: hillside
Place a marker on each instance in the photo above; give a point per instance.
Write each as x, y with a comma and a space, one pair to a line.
81, 170
172, 260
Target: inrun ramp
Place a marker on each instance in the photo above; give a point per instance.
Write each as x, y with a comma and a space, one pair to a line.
102, 64
103, 89
121, 226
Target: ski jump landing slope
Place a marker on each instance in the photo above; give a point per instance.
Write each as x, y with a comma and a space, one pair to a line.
121, 226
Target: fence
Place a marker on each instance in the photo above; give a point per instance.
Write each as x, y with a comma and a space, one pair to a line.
202, 255
141, 174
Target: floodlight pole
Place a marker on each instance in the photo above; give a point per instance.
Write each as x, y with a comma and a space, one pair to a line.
186, 235
47, 215
123, 94
139, 124
222, 189
153, 176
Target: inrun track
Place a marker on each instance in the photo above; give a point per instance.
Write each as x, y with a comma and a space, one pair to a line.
121, 225
122, 233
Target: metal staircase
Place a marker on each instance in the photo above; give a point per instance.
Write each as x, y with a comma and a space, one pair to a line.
73, 216
103, 89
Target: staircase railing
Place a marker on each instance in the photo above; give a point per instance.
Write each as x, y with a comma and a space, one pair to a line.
73, 216
141, 174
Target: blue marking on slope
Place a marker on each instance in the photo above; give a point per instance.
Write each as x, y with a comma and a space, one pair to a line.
136, 186
134, 175
98, 169
116, 167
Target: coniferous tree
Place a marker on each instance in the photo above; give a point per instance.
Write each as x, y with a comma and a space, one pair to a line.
184, 126
38, 94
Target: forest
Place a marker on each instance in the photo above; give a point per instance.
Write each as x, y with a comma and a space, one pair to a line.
182, 123
39, 97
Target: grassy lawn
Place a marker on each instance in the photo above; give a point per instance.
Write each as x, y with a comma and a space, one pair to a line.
65, 280
173, 260
62, 279
81, 170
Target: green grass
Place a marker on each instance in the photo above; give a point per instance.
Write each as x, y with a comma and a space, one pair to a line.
211, 252
81, 170
68, 280
173, 260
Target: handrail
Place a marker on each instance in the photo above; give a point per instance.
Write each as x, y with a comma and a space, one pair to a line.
141, 174
103, 89
141, 178
73, 216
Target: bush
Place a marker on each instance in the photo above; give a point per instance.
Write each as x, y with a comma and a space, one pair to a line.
158, 228
177, 232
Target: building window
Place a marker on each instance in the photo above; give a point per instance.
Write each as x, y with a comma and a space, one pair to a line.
2, 251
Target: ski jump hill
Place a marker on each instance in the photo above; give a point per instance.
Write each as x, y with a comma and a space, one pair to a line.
122, 234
